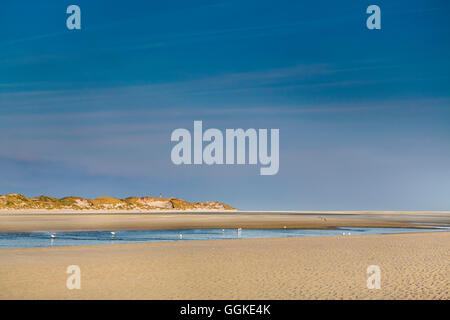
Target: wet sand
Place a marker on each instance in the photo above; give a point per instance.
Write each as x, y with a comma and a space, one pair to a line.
413, 266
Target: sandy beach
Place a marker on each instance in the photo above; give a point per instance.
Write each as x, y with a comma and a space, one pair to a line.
413, 266
189, 220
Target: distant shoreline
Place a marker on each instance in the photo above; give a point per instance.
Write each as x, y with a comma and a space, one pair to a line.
106, 211
115, 211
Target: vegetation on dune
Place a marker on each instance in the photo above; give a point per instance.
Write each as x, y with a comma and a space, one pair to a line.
18, 202
180, 204
106, 201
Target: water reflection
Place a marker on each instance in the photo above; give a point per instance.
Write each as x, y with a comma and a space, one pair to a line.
46, 239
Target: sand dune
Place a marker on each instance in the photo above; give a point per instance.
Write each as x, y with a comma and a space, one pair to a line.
413, 266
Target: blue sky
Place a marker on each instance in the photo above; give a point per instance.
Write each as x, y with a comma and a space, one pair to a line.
364, 115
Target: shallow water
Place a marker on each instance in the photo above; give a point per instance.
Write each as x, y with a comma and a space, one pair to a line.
44, 239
